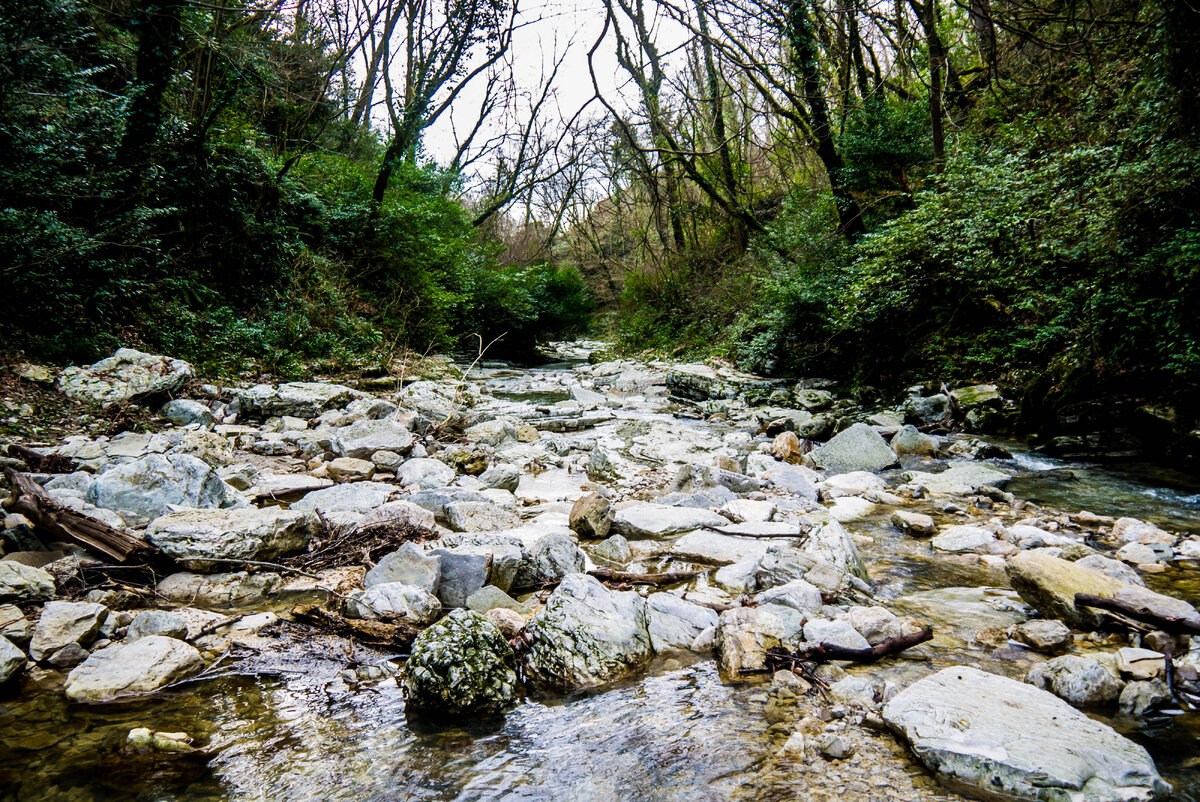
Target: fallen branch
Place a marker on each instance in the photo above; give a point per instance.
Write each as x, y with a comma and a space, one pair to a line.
373, 633
721, 531
1172, 625
64, 523
656, 580
824, 652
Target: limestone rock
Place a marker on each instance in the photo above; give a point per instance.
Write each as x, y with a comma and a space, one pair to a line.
859, 448
913, 523
1082, 680
786, 448
463, 570
675, 623
461, 665
1050, 584
156, 622
132, 669
363, 438
587, 635
304, 400
1048, 636
219, 591
125, 375
144, 489
614, 549
501, 477
398, 513
425, 473
959, 480
22, 583
876, 624
185, 412
1131, 530
996, 737
832, 544
356, 497
350, 469
407, 565
12, 660
191, 536
964, 539
477, 516
834, 633
64, 622
798, 594
418, 606
745, 633
909, 441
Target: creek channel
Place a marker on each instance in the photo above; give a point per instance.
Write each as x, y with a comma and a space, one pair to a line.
675, 731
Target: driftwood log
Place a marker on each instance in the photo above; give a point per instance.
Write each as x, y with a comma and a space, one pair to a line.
655, 580
824, 652
63, 523
374, 633
1172, 625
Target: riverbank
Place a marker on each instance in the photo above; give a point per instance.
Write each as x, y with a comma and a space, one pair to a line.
512, 484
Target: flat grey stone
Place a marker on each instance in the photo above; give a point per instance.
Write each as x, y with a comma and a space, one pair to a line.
408, 565
132, 669
63, 622
992, 736
859, 448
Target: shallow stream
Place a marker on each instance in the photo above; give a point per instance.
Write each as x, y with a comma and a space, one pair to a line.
675, 732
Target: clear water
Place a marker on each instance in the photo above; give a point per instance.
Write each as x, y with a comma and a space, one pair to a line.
675, 732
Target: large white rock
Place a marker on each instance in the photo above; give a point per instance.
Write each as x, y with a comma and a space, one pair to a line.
356, 497
363, 438
745, 633
661, 520
418, 606
831, 543
959, 480
587, 635
717, 549
859, 448
125, 375
12, 660
22, 583
63, 623
964, 538
144, 489
193, 536
997, 738
304, 400
132, 669
675, 623
425, 473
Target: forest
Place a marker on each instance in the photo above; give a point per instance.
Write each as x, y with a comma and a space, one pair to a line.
877, 191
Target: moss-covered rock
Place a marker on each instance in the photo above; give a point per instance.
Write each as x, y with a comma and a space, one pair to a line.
461, 665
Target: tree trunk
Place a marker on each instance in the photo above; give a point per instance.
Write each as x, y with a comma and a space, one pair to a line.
158, 45
804, 53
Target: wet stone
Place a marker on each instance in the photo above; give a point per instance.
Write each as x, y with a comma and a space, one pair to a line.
461, 665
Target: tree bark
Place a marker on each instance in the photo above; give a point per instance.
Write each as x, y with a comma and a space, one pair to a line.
804, 54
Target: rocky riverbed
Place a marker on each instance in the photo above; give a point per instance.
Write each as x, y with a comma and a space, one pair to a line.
521, 521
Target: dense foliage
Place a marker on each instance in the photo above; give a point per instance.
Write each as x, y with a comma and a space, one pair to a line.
184, 177
1053, 247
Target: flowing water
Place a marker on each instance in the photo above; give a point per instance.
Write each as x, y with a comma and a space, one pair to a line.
675, 732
